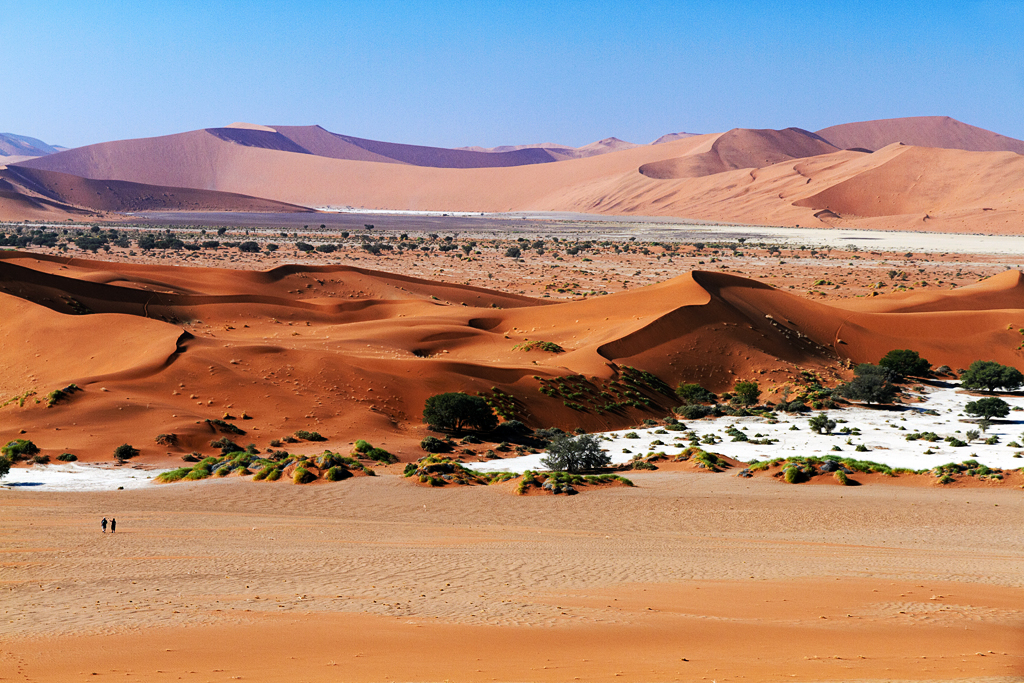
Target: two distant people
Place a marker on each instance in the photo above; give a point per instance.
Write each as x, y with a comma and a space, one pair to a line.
113, 525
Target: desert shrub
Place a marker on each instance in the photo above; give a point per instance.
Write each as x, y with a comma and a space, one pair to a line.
432, 444
840, 476
309, 436
793, 474
905, 363
513, 252
575, 454
822, 424
691, 394
275, 474
67, 457
303, 476
989, 408
226, 427
19, 448
458, 411
861, 448
167, 439
630, 435
337, 473
225, 445
40, 459
125, 452
304, 246
263, 473
989, 376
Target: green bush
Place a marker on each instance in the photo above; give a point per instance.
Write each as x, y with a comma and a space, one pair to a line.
274, 475
67, 457
18, 449
840, 476
362, 446
431, 444
692, 394
309, 436
125, 452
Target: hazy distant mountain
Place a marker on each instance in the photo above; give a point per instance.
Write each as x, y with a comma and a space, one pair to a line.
12, 145
672, 137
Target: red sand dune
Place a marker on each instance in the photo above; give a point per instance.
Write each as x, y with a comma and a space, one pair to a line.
354, 353
922, 131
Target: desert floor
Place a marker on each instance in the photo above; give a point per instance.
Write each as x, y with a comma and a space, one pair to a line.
684, 577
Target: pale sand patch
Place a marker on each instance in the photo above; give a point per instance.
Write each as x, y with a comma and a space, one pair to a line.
390, 581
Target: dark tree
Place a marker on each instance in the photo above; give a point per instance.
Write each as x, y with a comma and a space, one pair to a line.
905, 363
125, 452
747, 393
458, 411
872, 384
513, 252
691, 394
575, 454
988, 408
989, 375
249, 247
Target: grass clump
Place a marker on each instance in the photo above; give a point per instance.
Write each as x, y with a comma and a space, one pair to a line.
173, 475
67, 457
303, 476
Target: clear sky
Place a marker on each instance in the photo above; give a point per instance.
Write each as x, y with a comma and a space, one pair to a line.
504, 72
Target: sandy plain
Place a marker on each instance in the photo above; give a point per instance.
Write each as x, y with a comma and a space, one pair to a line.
684, 577
687, 576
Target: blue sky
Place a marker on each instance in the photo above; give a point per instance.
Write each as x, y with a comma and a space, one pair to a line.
490, 73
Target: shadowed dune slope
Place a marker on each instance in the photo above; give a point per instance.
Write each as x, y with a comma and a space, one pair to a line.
123, 196
321, 142
921, 131
354, 353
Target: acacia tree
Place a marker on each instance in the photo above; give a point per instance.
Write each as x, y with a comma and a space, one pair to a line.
872, 385
988, 408
989, 375
747, 393
456, 411
5, 467
905, 363
575, 454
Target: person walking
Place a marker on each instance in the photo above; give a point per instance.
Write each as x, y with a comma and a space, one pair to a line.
113, 525
103, 525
